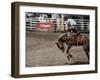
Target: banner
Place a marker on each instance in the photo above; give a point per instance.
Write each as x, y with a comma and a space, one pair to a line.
45, 26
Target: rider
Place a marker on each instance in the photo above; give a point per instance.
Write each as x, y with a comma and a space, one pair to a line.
70, 26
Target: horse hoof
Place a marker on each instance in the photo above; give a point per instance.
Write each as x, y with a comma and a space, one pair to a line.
71, 56
70, 60
63, 51
68, 57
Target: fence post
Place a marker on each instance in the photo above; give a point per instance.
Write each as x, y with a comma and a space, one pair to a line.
62, 22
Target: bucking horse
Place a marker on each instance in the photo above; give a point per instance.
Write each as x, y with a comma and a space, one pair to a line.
73, 39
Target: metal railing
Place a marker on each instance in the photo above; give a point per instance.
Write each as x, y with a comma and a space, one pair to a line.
82, 24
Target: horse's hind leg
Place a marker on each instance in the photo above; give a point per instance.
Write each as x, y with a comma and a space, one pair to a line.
86, 49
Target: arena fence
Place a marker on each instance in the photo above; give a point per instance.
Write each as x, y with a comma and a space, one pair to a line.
34, 24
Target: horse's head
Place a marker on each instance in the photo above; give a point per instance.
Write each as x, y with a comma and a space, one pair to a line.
63, 38
60, 46
60, 42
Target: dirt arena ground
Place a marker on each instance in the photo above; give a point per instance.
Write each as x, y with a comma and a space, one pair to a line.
41, 50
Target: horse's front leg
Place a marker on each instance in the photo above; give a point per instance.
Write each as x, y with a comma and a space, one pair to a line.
69, 56
67, 52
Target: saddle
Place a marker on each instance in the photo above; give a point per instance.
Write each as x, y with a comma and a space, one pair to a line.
74, 38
